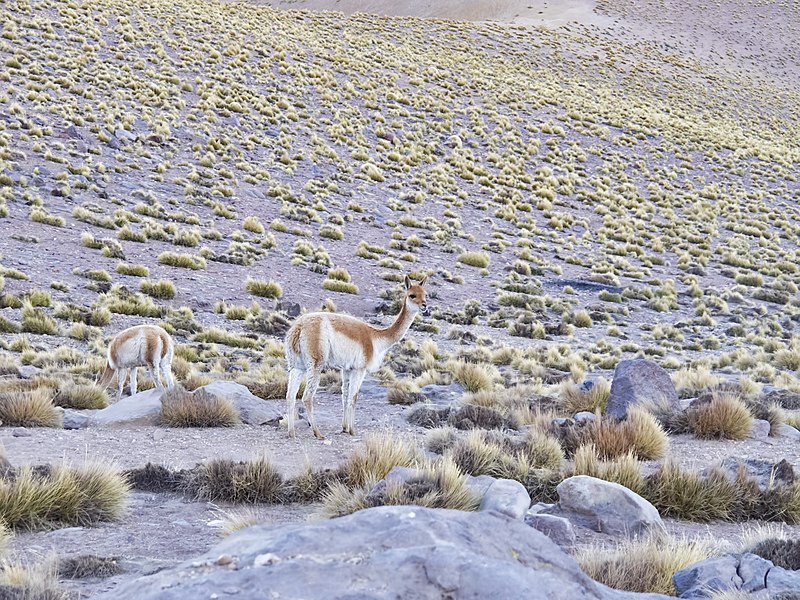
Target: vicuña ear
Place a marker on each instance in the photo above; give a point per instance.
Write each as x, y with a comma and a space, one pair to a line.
423, 280
407, 282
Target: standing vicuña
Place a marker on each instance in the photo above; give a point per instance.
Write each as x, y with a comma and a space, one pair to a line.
139, 346
321, 340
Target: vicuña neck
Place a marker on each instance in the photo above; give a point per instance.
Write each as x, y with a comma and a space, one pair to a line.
398, 329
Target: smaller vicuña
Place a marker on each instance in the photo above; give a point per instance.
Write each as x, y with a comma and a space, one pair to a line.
321, 340
139, 346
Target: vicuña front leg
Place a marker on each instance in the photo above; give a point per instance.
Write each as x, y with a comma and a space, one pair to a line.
356, 379
345, 395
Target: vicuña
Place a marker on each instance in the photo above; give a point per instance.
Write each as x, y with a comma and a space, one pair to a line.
320, 340
139, 346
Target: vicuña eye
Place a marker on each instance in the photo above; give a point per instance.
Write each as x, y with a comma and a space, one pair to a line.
412, 295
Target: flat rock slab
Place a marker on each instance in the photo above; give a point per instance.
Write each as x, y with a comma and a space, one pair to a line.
385, 552
143, 408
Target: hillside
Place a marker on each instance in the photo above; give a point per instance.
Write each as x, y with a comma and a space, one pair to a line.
581, 184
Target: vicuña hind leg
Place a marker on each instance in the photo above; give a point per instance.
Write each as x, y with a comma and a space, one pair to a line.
121, 375
356, 379
345, 396
312, 383
166, 369
134, 385
295, 379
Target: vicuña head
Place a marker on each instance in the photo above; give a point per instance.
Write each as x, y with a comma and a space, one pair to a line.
139, 346
318, 341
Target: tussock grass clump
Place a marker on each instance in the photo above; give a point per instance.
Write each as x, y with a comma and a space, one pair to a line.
265, 289
475, 377
37, 321
253, 225
87, 396
782, 552
404, 393
40, 215
690, 381
32, 408
156, 478
639, 433
573, 399
624, 470
474, 416
180, 408
474, 259
490, 453
163, 288
244, 482
687, 495
30, 499
37, 581
7, 326
89, 565
435, 485
132, 270
121, 301
644, 564
374, 459
722, 416
220, 336
440, 439
186, 261
338, 280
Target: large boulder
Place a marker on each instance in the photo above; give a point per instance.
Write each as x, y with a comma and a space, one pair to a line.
385, 552
747, 572
252, 409
606, 506
143, 408
639, 381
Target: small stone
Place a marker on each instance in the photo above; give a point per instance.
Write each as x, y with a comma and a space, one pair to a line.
760, 430
584, 417
263, 560
508, 497
19, 432
557, 529
224, 559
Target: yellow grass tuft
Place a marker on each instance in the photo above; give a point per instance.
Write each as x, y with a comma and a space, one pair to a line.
180, 408
725, 416
644, 564
30, 408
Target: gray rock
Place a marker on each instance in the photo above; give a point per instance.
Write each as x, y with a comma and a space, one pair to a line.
782, 581
606, 506
442, 394
711, 575
556, 528
252, 409
733, 572
637, 381
507, 497
541, 508
584, 417
783, 398
373, 391
292, 309
760, 430
765, 472
381, 553
73, 132
753, 570
74, 419
789, 432
479, 485
28, 371
143, 408
20, 432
